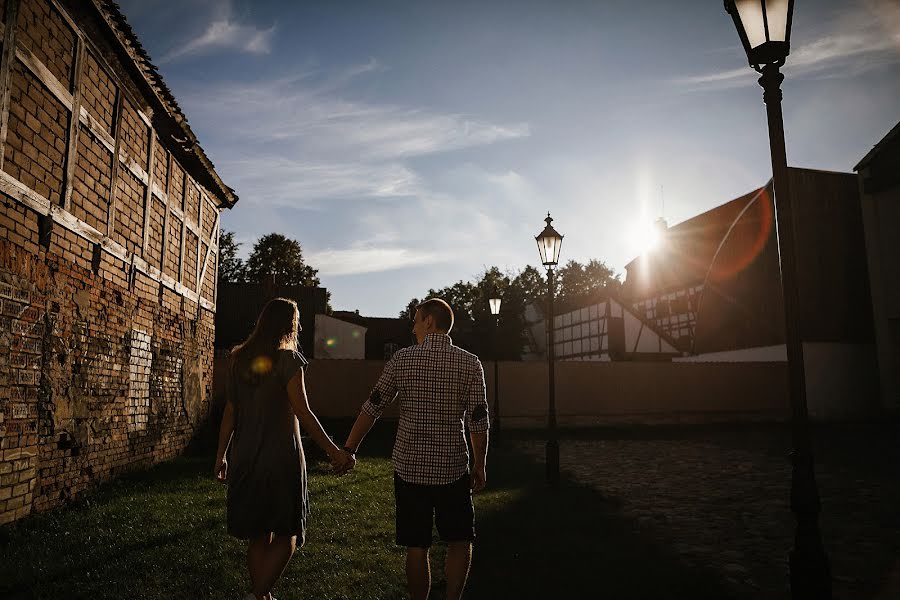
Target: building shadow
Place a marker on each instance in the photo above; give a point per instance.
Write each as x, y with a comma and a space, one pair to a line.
571, 541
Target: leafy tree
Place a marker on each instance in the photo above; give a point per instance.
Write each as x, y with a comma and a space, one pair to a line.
577, 282
275, 254
231, 268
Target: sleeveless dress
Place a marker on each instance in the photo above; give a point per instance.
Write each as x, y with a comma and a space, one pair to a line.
267, 486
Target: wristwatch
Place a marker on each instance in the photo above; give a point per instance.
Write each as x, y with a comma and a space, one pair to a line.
350, 450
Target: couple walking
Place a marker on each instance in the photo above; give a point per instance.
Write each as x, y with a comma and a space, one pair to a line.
440, 387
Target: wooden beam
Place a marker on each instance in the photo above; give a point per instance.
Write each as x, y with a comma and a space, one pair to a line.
97, 130
209, 247
19, 192
165, 233
44, 76
183, 227
200, 223
148, 190
74, 127
114, 174
216, 274
9, 45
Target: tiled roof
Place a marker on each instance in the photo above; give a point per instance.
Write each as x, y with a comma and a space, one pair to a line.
130, 43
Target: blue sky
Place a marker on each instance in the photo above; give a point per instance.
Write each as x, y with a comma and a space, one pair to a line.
408, 145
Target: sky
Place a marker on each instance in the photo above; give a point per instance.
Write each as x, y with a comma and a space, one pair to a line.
409, 145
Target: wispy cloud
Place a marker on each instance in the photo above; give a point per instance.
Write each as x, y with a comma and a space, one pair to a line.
306, 141
356, 260
855, 43
224, 31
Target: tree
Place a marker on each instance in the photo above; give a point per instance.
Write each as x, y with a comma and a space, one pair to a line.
231, 268
275, 254
577, 282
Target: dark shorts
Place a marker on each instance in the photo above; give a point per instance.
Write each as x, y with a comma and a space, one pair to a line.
448, 506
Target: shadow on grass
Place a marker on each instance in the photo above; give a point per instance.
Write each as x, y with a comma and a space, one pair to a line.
540, 542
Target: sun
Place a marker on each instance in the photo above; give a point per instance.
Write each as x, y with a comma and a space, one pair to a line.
646, 238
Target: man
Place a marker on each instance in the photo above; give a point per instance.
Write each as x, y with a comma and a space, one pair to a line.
439, 386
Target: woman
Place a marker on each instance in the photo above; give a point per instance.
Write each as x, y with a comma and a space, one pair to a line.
266, 469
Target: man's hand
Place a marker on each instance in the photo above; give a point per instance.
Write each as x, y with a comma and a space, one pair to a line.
479, 478
221, 470
342, 462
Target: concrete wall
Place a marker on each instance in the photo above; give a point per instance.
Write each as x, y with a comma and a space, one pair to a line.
841, 379
587, 392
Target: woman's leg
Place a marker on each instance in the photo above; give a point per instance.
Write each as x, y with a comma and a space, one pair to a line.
277, 555
256, 560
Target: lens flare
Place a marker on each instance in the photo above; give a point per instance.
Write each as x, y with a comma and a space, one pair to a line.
261, 365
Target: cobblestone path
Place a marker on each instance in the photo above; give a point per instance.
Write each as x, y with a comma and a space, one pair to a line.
719, 498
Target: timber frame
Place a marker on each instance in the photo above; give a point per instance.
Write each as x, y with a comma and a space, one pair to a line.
57, 210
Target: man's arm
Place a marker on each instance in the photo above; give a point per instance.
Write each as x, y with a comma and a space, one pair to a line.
383, 394
361, 427
479, 469
479, 423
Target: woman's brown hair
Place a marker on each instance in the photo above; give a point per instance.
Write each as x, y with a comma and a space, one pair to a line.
276, 327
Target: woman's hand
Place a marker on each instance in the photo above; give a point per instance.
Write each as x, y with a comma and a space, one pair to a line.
342, 462
221, 470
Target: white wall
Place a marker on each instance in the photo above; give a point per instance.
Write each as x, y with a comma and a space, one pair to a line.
339, 339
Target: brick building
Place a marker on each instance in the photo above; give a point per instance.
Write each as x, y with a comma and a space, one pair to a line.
109, 221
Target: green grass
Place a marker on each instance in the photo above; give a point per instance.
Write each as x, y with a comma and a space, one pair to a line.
161, 534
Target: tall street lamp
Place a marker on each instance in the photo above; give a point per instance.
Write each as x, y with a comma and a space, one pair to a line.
764, 27
495, 310
549, 242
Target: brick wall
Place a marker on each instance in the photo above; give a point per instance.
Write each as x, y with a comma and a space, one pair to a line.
105, 364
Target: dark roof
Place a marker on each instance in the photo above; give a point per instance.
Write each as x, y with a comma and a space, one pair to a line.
688, 249
171, 118
892, 135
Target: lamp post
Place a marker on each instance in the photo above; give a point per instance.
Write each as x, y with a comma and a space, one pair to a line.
764, 27
495, 310
549, 242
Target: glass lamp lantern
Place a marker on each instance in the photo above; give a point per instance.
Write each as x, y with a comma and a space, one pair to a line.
549, 242
495, 305
764, 27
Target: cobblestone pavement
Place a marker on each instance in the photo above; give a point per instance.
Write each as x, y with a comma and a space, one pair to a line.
719, 498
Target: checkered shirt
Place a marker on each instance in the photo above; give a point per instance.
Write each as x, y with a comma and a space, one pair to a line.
440, 386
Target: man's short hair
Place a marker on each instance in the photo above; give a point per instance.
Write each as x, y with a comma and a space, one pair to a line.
440, 311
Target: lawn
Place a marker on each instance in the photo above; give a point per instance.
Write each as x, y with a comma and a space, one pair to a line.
161, 534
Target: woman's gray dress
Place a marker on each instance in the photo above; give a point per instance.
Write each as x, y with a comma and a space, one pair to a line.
267, 489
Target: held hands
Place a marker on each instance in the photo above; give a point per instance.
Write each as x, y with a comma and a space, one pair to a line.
342, 462
221, 470
479, 478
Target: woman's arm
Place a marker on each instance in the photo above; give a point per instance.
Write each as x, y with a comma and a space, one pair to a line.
225, 432
300, 405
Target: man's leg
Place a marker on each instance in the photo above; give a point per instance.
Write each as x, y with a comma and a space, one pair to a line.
456, 568
418, 573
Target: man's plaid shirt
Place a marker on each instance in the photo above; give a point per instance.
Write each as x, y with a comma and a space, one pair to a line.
439, 386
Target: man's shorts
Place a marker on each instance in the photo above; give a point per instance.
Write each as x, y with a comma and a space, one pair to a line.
448, 506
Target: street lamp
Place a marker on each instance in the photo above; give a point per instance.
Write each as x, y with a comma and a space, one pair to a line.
549, 242
495, 310
764, 27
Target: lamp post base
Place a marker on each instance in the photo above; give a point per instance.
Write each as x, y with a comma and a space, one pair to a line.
810, 574
552, 457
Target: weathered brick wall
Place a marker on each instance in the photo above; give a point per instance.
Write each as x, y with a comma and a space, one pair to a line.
105, 364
